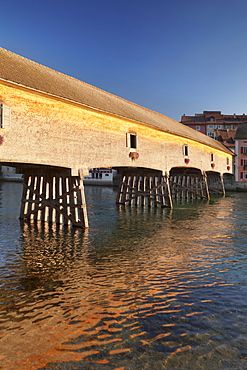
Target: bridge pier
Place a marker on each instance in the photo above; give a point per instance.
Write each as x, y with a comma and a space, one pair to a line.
141, 186
216, 183
189, 186
144, 188
54, 198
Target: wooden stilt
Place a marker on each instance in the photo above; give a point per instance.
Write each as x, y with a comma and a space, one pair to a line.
216, 183
135, 185
169, 191
187, 187
152, 190
206, 185
81, 201
142, 189
223, 185
121, 191
162, 191
58, 199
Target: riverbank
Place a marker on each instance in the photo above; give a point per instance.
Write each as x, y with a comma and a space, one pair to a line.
236, 186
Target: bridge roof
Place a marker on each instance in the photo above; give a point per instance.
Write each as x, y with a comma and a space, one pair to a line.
27, 73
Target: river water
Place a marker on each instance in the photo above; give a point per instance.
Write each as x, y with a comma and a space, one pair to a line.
141, 289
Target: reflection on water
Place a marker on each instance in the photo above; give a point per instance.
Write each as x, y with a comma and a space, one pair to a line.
141, 289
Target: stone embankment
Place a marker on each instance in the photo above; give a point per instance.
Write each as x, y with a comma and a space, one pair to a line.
235, 186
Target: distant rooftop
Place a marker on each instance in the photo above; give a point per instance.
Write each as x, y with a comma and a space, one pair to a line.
241, 132
207, 116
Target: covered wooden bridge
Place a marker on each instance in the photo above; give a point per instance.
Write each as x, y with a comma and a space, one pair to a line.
54, 128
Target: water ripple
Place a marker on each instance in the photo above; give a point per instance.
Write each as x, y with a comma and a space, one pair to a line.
155, 290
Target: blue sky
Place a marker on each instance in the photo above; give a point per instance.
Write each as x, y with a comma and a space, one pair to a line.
173, 56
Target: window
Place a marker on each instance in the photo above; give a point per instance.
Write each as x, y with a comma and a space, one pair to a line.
244, 150
211, 134
212, 157
227, 161
210, 126
217, 126
185, 150
131, 140
5, 116
211, 119
198, 128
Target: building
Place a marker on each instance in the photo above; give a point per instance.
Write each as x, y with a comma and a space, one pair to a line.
210, 122
9, 174
241, 152
102, 176
226, 137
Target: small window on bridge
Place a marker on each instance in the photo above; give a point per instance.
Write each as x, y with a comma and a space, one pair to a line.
185, 150
131, 141
212, 157
5, 116
227, 161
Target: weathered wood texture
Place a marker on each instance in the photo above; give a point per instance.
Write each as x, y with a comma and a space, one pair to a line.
216, 184
58, 199
163, 190
188, 187
144, 190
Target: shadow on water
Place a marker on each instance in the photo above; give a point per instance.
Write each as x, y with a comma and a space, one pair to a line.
143, 288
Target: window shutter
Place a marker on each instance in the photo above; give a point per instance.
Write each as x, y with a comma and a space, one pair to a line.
242, 150
6, 116
128, 140
1, 116
241, 175
242, 162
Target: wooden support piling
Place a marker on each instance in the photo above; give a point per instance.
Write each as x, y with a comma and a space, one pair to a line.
223, 185
54, 199
206, 185
216, 183
188, 187
144, 189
